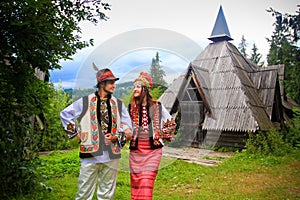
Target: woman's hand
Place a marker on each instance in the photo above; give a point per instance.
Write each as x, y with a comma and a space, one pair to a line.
128, 134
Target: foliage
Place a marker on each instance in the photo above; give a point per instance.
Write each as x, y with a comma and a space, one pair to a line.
284, 50
267, 143
157, 73
77, 93
126, 98
157, 92
53, 136
255, 56
18, 146
293, 133
123, 91
243, 46
35, 35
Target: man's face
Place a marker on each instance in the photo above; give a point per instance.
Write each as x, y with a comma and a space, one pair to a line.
109, 86
137, 89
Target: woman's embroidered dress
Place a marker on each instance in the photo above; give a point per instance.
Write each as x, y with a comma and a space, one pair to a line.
145, 153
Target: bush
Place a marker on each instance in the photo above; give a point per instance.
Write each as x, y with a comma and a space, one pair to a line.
157, 91
292, 135
266, 143
18, 149
21, 134
53, 137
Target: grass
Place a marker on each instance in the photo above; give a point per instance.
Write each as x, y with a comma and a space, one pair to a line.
242, 176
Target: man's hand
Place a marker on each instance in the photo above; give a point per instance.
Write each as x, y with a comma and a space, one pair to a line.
71, 130
109, 138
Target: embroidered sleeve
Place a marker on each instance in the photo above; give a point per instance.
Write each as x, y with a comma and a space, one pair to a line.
70, 113
125, 119
165, 115
125, 124
168, 125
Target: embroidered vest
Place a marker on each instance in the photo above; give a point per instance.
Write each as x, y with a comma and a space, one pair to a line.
98, 118
154, 124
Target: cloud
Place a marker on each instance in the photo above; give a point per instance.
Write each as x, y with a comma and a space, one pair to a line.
128, 66
64, 84
144, 25
136, 48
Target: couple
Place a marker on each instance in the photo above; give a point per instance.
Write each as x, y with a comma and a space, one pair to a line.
100, 118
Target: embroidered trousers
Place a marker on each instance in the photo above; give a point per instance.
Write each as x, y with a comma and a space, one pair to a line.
102, 175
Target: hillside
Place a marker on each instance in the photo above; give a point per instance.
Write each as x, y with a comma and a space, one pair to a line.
122, 90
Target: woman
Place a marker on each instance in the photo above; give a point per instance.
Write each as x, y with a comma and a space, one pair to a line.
151, 125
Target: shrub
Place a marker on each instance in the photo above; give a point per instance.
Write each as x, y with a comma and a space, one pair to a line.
18, 149
292, 135
266, 143
53, 137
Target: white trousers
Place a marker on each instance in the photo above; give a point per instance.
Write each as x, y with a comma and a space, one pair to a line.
105, 174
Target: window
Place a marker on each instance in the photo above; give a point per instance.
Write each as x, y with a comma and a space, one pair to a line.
191, 93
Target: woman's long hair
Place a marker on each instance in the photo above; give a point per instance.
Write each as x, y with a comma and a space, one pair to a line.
138, 101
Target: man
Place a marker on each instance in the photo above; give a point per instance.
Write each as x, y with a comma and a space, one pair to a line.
100, 116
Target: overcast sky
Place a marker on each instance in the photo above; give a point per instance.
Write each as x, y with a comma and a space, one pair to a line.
137, 29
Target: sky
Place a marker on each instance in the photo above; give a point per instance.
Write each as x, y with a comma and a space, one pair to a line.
177, 30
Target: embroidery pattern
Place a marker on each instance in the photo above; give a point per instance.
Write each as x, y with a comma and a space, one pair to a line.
94, 128
104, 116
94, 144
154, 112
156, 126
114, 110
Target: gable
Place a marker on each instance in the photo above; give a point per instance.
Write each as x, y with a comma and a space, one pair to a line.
238, 94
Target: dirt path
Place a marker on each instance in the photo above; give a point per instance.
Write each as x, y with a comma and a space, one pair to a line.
196, 155
189, 154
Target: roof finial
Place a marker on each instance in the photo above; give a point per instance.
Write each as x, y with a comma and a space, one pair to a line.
220, 31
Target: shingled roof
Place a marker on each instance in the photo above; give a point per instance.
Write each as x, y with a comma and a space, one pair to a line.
239, 94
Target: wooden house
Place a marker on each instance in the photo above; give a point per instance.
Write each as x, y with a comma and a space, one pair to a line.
222, 95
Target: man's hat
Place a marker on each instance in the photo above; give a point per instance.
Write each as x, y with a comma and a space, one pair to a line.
145, 79
104, 74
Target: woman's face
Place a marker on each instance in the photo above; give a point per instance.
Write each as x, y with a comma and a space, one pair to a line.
137, 89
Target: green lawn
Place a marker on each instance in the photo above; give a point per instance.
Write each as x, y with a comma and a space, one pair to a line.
242, 176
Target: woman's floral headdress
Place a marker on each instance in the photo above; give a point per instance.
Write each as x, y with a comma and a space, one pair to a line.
145, 79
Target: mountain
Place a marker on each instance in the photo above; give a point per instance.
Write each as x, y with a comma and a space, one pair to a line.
122, 90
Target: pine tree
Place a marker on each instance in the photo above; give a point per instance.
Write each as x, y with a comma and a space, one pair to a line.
255, 56
242, 46
157, 73
284, 50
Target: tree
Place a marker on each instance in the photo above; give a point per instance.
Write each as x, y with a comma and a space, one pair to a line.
284, 50
255, 56
243, 46
53, 136
34, 35
156, 72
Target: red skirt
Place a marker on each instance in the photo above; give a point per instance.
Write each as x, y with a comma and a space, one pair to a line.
144, 163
